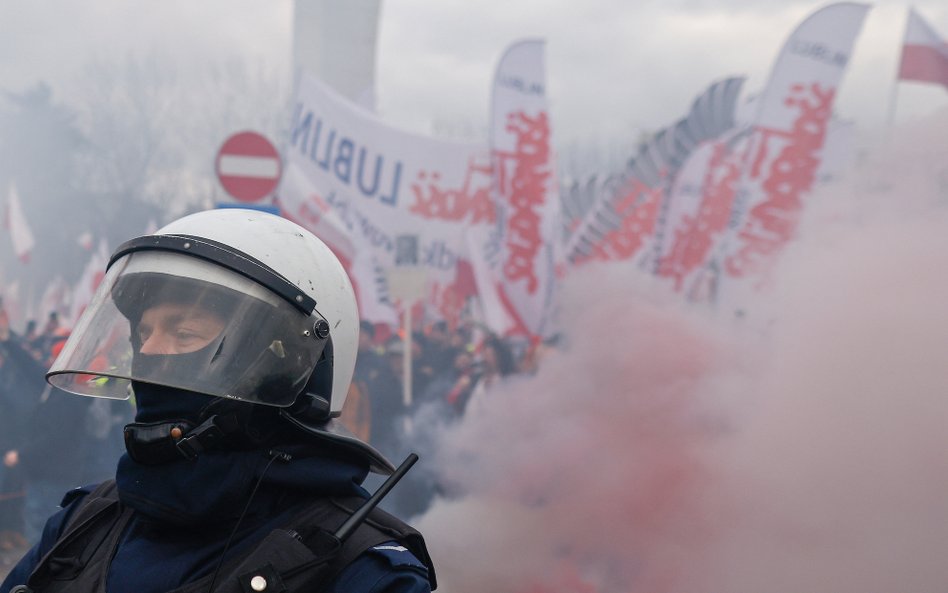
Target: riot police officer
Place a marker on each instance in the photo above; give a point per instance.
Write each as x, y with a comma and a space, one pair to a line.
236, 333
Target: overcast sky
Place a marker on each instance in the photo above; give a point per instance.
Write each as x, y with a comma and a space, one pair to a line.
614, 66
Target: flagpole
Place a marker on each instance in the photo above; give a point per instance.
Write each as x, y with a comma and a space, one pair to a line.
894, 92
893, 101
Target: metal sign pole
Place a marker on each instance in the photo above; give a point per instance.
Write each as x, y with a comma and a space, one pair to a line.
406, 359
406, 282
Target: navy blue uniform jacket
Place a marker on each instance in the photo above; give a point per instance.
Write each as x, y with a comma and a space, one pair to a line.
186, 510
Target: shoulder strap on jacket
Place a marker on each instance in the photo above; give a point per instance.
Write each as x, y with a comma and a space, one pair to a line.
379, 528
280, 559
302, 556
85, 531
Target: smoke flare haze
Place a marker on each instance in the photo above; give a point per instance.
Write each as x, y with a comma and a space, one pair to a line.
671, 448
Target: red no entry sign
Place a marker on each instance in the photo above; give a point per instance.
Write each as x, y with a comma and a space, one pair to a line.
248, 166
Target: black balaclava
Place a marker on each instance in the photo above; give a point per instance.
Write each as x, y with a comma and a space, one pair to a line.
208, 488
215, 486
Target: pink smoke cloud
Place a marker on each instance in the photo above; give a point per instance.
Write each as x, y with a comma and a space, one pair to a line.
671, 449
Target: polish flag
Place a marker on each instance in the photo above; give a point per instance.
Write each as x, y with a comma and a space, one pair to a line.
20, 232
88, 282
924, 53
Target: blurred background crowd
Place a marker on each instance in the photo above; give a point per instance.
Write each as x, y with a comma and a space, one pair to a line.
51, 441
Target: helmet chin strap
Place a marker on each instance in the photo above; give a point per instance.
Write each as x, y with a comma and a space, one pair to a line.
221, 424
155, 443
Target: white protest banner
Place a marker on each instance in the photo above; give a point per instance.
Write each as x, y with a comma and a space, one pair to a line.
700, 202
579, 196
633, 223
618, 229
785, 147
359, 183
525, 191
692, 194
491, 308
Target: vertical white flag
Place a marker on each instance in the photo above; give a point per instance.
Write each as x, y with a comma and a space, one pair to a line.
55, 299
694, 213
19, 228
88, 282
786, 146
522, 258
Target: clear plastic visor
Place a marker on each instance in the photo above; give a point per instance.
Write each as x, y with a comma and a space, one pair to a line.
179, 321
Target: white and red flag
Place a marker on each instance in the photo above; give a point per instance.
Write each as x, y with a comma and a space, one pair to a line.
700, 201
786, 145
88, 282
525, 192
924, 53
19, 228
56, 298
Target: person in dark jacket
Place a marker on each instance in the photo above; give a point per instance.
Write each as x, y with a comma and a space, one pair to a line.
384, 390
236, 331
18, 393
51, 456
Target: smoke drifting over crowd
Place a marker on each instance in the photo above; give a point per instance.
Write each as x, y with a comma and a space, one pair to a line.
664, 449
790, 443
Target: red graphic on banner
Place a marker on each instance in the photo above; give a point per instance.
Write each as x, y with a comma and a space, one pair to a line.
772, 223
312, 211
471, 202
449, 300
638, 211
525, 192
696, 235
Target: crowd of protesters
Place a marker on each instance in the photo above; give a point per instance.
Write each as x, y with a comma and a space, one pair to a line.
451, 368
51, 441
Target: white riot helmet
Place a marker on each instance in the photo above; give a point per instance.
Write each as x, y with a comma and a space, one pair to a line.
278, 323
